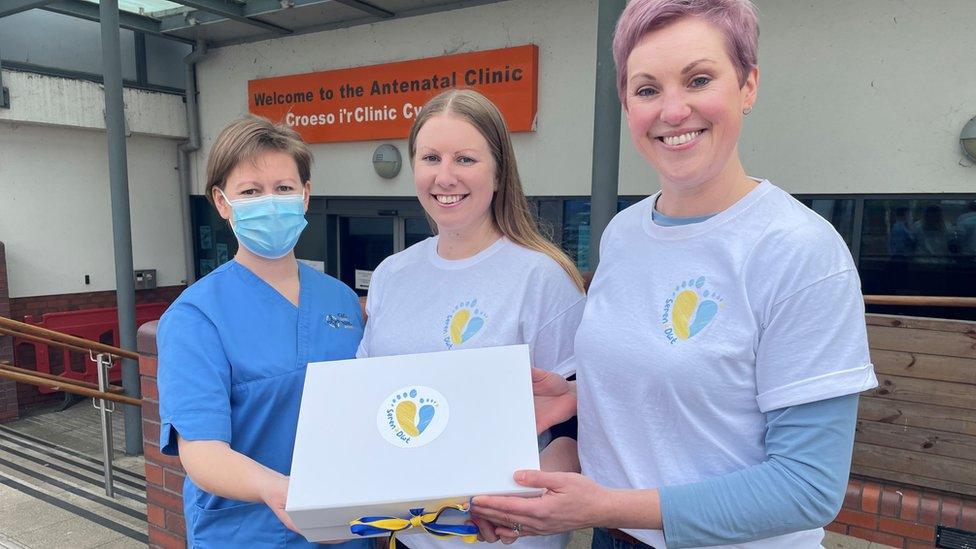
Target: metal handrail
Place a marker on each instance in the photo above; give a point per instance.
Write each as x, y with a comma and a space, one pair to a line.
103, 396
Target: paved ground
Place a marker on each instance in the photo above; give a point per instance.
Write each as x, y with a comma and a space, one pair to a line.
51, 493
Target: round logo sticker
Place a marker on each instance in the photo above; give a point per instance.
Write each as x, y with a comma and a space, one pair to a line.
413, 416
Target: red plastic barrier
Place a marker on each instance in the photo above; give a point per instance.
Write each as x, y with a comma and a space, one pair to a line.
95, 324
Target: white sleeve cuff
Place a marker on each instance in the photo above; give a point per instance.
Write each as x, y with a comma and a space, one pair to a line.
834, 384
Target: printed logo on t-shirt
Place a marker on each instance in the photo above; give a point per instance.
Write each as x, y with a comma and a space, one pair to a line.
339, 320
464, 322
691, 307
412, 416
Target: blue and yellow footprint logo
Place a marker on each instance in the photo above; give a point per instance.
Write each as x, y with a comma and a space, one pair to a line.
463, 323
690, 309
412, 420
413, 416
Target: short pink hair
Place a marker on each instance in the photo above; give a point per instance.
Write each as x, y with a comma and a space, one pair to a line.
736, 19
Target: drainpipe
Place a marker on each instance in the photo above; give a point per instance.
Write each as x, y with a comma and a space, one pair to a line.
184, 150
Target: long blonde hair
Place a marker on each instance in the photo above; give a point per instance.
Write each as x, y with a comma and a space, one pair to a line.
509, 208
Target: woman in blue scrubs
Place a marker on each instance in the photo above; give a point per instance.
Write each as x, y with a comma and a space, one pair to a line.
234, 346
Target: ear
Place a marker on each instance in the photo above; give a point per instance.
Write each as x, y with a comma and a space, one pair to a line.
308, 193
750, 89
223, 208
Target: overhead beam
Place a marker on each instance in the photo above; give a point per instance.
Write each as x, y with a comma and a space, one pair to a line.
366, 7
254, 8
89, 11
234, 12
11, 7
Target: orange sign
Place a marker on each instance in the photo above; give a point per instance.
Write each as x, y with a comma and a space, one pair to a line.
382, 101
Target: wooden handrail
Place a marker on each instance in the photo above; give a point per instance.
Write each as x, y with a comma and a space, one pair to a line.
4, 365
68, 387
20, 329
44, 341
920, 300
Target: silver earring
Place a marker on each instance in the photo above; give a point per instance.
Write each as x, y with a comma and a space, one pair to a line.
747, 111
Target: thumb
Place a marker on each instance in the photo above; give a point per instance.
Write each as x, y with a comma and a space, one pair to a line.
538, 479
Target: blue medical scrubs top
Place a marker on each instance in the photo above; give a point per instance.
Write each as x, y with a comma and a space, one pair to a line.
232, 359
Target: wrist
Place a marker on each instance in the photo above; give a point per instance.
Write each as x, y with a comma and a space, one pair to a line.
268, 486
632, 509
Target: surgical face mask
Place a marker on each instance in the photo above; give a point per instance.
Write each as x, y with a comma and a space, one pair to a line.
268, 226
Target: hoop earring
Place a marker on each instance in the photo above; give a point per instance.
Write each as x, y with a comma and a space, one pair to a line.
746, 111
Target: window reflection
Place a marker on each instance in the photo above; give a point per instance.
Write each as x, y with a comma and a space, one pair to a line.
919, 246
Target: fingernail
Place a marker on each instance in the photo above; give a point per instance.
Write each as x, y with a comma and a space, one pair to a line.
519, 476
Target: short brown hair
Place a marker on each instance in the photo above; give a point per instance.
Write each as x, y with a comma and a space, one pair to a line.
244, 139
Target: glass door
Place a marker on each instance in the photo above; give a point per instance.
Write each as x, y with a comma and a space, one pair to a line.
366, 240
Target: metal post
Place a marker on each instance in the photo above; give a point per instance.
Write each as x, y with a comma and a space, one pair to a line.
4, 92
105, 407
606, 129
121, 224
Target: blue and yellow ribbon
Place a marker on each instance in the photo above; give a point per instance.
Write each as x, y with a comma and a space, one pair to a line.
369, 526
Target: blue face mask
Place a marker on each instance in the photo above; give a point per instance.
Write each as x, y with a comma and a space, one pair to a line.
268, 226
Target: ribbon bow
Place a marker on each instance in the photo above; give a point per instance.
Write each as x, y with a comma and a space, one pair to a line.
368, 526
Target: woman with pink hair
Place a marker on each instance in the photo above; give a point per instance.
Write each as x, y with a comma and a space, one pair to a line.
723, 344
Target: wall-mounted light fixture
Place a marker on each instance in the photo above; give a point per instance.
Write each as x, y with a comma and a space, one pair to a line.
968, 139
386, 161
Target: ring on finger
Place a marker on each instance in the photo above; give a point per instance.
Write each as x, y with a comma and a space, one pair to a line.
517, 528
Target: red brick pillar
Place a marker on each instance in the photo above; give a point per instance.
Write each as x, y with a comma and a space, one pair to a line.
164, 474
8, 389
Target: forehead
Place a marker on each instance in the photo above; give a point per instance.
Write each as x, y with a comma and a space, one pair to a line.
673, 46
274, 165
450, 132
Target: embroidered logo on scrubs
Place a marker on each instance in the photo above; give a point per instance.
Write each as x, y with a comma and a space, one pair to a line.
413, 416
691, 307
464, 322
339, 320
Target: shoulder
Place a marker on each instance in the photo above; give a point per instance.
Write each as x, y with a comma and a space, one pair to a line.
795, 231
201, 296
539, 269
628, 221
795, 249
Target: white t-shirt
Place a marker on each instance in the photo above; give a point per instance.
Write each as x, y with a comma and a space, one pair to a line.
691, 333
420, 302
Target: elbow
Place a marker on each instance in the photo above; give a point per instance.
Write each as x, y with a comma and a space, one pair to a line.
824, 510
823, 503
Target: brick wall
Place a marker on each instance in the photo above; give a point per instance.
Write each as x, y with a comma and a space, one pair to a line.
164, 474
27, 395
8, 389
900, 515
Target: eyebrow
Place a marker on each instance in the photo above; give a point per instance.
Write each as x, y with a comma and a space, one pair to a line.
688, 68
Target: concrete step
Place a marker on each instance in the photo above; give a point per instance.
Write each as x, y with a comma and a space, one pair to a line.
53, 496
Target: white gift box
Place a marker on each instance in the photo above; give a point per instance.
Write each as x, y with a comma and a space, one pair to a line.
380, 436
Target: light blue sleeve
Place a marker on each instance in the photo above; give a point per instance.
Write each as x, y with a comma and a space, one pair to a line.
194, 379
800, 486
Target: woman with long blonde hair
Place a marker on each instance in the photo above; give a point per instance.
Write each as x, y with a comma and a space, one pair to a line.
488, 277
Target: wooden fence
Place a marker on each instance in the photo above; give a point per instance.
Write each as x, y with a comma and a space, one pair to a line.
919, 426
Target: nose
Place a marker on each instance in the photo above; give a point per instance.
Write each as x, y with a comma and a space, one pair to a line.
674, 108
444, 176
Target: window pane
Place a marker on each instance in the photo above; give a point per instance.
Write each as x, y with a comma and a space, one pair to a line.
919, 247
576, 232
